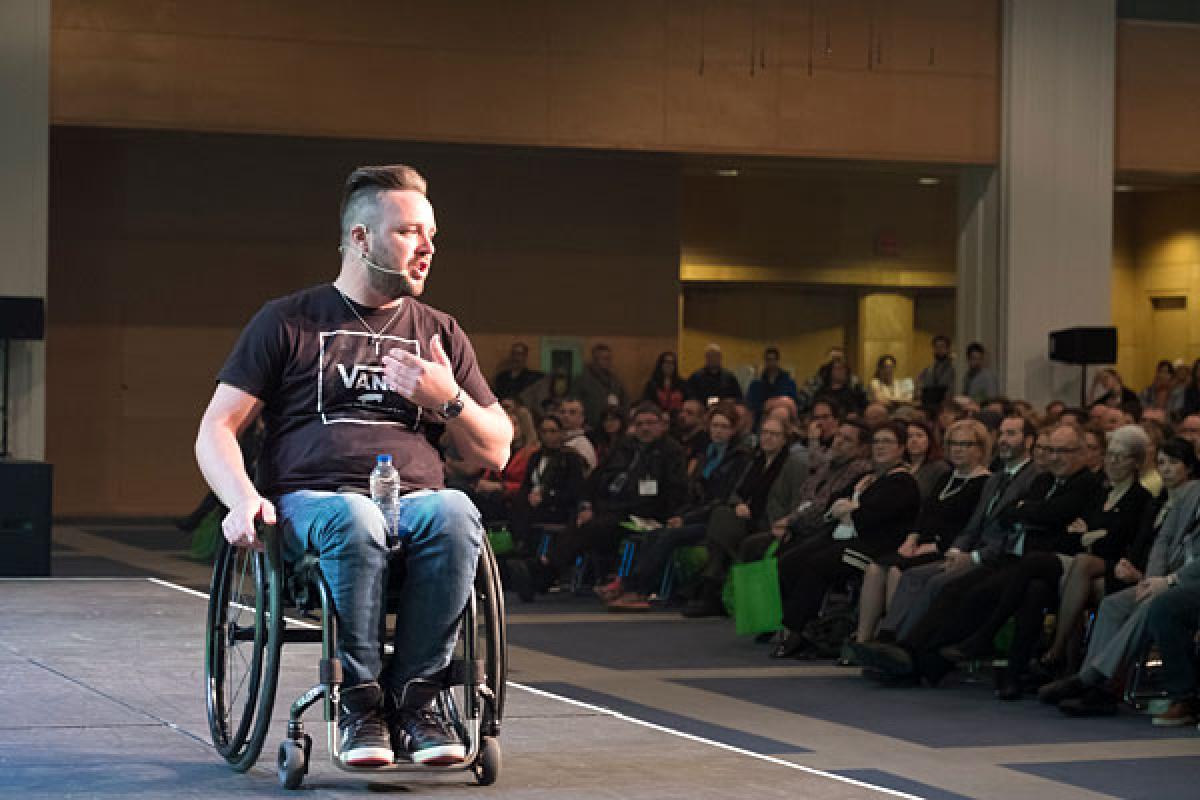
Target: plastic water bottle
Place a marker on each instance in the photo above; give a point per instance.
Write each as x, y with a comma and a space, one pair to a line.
385, 491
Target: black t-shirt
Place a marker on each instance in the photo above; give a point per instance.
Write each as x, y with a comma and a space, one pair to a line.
319, 374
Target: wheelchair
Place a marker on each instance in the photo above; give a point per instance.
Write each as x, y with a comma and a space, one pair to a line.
247, 628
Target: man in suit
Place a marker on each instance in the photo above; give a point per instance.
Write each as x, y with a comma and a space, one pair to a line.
981, 541
1038, 522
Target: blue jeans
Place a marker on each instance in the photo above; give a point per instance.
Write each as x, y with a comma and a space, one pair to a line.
441, 533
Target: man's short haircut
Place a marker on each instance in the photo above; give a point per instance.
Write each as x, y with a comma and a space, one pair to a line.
556, 419
645, 407
600, 347
365, 184
941, 337
571, 398
771, 351
974, 347
830, 403
1027, 427
864, 433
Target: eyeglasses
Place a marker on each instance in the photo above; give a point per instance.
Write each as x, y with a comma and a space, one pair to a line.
961, 443
1116, 455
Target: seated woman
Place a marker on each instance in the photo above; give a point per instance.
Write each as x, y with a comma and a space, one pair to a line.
612, 428
885, 388
744, 512
924, 456
870, 523
1119, 633
493, 491
665, 388
720, 469
942, 517
1108, 534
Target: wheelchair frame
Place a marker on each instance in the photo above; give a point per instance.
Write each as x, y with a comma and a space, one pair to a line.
239, 727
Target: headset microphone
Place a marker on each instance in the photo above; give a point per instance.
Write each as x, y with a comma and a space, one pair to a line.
378, 268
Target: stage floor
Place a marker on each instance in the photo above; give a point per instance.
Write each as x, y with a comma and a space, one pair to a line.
104, 699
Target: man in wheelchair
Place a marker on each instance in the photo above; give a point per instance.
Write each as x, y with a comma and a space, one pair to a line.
340, 373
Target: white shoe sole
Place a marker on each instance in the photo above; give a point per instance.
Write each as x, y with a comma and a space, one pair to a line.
368, 757
440, 756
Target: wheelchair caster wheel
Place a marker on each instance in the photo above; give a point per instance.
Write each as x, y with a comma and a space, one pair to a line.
292, 762
487, 763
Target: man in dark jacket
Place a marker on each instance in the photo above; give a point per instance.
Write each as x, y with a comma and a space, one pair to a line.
772, 382
643, 476
712, 380
552, 489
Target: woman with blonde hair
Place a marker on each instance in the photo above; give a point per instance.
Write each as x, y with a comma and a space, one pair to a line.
943, 514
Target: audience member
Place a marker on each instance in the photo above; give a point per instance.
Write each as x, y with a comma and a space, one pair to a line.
979, 382
545, 395
1158, 393
689, 432
570, 411
550, 493
1054, 412
665, 388
493, 491
605, 437
820, 381
936, 382
822, 426
772, 382
875, 414
1189, 429
1172, 623
869, 523
515, 377
599, 387
885, 388
1095, 442
924, 456
1109, 389
847, 395
712, 380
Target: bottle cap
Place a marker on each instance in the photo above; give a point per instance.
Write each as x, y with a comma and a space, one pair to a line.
383, 458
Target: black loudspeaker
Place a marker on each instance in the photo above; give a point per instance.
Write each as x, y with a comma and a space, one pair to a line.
25, 517
1084, 346
22, 318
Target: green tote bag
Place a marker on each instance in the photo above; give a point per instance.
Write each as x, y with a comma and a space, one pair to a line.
757, 607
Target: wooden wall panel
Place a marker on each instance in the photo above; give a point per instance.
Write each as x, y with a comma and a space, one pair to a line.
766, 77
1158, 97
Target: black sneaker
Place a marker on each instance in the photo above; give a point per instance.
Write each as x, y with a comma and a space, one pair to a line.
365, 741
420, 732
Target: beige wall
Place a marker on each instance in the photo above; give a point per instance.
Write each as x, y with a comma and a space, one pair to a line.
162, 245
854, 78
1157, 254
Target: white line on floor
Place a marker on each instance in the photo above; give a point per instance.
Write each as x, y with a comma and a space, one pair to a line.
634, 720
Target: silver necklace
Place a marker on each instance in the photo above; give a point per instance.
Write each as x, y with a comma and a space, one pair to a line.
376, 335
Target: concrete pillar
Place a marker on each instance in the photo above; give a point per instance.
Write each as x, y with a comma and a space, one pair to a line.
24, 128
980, 297
1054, 265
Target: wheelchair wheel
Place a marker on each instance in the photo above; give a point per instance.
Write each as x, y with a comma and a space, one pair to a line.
487, 763
241, 654
490, 592
291, 762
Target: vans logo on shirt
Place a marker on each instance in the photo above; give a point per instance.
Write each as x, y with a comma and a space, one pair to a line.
362, 376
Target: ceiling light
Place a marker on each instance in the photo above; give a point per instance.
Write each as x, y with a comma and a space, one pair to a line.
929, 181
1122, 187
727, 173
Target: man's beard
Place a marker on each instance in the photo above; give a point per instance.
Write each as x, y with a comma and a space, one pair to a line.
391, 285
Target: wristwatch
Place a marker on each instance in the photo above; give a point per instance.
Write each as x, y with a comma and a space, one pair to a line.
452, 408
1172, 581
